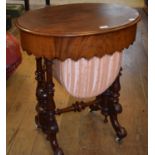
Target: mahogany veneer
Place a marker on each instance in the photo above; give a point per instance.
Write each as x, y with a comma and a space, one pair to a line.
78, 30
75, 31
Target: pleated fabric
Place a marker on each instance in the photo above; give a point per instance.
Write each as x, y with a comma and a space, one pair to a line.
87, 78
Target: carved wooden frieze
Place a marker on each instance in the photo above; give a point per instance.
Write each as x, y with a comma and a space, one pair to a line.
77, 47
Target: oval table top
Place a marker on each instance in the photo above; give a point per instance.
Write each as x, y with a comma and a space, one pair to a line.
78, 30
78, 19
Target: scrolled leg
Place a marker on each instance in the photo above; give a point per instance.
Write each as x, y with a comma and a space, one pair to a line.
45, 118
116, 108
108, 103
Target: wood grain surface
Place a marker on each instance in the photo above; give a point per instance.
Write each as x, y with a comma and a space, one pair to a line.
78, 19
77, 47
68, 31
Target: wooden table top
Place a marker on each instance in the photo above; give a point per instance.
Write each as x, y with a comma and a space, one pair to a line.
78, 30
78, 19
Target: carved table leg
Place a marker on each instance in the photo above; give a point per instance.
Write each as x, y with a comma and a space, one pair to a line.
115, 108
45, 118
108, 103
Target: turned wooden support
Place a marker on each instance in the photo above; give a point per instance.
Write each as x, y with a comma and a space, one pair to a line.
45, 118
76, 107
40, 91
115, 108
108, 103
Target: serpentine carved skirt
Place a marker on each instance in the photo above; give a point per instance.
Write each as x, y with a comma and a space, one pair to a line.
87, 78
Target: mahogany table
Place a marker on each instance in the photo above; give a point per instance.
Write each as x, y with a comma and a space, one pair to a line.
76, 31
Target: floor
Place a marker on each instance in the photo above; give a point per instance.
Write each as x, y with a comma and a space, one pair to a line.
81, 133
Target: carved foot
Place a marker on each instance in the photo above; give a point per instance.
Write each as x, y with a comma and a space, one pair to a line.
58, 152
54, 144
120, 131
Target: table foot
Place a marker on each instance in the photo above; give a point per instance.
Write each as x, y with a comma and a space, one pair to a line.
58, 152
54, 144
45, 118
120, 131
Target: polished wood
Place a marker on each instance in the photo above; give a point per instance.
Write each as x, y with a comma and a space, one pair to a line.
40, 37
110, 106
76, 19
45, 118
76, 107
77, 47
66, 25
24, 139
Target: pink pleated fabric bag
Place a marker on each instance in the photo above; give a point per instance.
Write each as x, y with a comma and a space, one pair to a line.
87, 78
